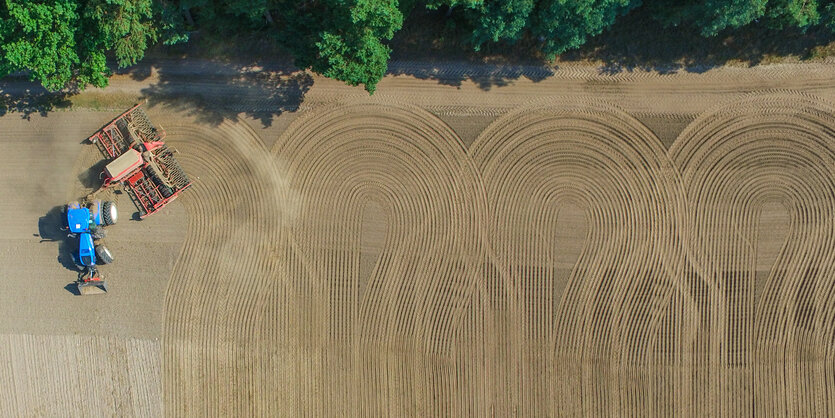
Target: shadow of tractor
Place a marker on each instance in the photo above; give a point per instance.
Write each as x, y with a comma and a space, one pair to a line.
50, 230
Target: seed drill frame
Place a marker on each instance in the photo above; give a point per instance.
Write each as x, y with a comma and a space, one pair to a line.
145, 166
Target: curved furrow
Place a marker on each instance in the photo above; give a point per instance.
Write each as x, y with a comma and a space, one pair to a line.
766, 284
381, 288
213, 349
601, 307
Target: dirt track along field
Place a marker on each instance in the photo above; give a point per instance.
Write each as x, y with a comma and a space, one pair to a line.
632, 244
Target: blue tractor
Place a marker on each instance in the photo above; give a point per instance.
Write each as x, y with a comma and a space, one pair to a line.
86, 222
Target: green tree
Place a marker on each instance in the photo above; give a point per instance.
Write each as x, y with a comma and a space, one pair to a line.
64, 42
124, 27
828, 15
797, 13
257, 11
710, 16
566, 24
340, 39
501, 21
343, 39
436, 4
39, 37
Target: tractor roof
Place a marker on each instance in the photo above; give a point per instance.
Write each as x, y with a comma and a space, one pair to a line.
78, 219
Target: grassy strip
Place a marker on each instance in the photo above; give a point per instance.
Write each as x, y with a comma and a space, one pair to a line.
101, 101
28, 104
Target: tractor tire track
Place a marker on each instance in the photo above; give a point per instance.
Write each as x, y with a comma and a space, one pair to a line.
563, 265
380, 304
767, 321
539, 273
570, 314
212, 352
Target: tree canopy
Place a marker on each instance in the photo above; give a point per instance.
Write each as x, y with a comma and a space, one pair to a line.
343, 39
65, 42
69, 43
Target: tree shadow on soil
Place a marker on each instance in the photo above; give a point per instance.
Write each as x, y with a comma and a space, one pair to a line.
437, 40
485, 76
432, 45
223, 91
26, 98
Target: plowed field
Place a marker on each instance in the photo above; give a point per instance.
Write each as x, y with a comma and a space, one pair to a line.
636, 244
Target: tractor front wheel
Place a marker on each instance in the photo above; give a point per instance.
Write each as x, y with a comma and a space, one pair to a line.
98, 233
103, 254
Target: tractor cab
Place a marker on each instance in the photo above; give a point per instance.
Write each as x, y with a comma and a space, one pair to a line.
78, 218
82, 219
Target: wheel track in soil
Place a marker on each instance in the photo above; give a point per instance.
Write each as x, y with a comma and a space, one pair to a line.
384, 340
453, 71
568, 326
471, 307
727, 333
683, 91
211, 350
771, 347
679, 93
116, 376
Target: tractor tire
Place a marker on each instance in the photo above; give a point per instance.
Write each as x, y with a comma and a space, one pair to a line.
98, 233
109, 214
166, 191
103, 255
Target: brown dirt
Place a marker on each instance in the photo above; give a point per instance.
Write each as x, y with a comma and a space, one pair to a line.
80, 375
631, 244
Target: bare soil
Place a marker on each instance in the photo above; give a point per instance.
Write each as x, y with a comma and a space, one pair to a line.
476, 242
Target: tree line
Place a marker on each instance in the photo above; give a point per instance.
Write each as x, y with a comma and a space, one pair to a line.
67, 43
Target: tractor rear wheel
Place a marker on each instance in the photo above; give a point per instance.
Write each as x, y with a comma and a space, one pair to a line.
109, 213
103, 254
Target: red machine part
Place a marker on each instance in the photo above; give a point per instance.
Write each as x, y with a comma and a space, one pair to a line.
150, 146
132, 180
147, 193
151, 188
145, 190
125, 131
